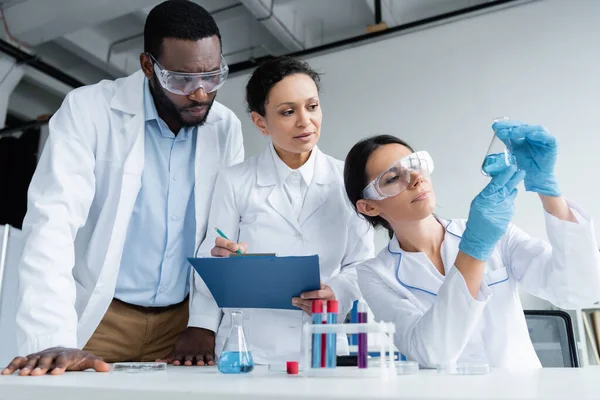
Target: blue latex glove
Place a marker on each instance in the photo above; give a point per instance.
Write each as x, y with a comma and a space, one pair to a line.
490, 213
535, 150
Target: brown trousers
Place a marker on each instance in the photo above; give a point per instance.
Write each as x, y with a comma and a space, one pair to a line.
133, 333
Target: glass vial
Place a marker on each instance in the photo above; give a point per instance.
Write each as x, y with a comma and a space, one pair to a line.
235, 357
498, 156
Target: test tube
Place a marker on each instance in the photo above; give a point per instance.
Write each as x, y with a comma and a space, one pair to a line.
317, 318
332, 311
362, 337
324, 338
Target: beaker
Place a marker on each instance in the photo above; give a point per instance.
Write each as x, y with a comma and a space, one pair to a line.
498, 156
235, 357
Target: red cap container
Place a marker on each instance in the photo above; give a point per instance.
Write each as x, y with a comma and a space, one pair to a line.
332, 306
317, 306
292, 367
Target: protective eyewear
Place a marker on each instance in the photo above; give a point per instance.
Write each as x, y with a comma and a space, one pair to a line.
396, 178
186, 83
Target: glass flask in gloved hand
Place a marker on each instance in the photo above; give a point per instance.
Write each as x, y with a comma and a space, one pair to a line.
498, 157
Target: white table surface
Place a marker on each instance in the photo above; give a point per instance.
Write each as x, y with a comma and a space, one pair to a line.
206, 382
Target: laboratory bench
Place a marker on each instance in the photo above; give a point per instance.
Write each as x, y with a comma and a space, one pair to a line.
206, 382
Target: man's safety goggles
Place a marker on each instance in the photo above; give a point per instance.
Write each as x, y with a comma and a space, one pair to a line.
396, 179
185, 83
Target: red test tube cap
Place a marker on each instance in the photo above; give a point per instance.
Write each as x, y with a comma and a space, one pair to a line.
317, 306
292, 367
332, 306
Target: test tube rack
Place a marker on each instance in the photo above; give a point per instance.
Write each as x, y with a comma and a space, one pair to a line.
386, 368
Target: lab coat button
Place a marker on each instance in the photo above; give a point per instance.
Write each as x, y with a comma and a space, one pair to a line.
174, 217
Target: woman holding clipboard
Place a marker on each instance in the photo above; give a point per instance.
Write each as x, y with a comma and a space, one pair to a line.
289, 200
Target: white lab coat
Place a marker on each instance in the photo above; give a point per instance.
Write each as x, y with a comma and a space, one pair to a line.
80, 202
250, 205
437, 320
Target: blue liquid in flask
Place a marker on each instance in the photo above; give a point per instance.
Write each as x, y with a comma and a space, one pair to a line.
235, 357
235, 362
493, 164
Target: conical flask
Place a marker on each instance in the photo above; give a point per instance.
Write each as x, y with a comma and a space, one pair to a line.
235, 357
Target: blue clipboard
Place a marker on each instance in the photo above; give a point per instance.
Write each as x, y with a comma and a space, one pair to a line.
259, 281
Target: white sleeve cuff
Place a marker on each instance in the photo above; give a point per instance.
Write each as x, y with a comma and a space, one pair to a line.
456, 282
205, 322
34, 345
584, 219
344, 296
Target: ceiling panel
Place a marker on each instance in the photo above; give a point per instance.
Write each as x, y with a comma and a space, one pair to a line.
83, 50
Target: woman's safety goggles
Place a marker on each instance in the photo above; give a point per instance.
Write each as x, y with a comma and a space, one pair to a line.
396, 179
185, 83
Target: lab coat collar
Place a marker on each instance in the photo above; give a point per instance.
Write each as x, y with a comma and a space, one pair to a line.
421, 274
316, 196
324, 172
266, 171
129, 96
214, 115
452, 227
267, 174
307, 171
318, 191
414, 275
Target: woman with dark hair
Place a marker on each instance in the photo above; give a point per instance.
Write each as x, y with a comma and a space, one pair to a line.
450, 286
289, 200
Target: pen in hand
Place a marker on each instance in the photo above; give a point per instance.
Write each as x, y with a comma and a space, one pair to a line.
238, 251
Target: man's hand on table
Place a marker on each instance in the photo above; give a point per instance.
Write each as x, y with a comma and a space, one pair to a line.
56, 360
195, 346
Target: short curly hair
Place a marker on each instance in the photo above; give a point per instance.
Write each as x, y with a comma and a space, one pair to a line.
267, 74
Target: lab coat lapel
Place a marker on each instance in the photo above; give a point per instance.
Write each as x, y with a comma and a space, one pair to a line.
415, 271
128, 99
449, 249
266, 175
280, 203
130, 187
318, 191
129, 96
206, 166
454, 232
